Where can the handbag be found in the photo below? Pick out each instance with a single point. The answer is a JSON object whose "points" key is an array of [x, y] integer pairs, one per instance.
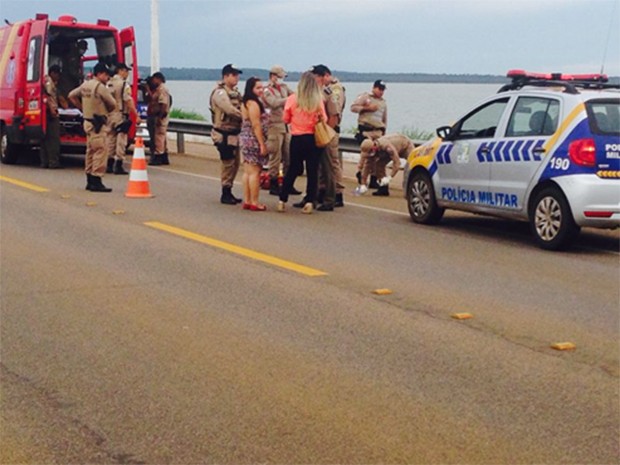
{"points": [[323, 134]]}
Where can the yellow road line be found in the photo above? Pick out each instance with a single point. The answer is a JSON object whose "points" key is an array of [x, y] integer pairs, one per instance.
{"points": [[236, 249], [27, 185]]}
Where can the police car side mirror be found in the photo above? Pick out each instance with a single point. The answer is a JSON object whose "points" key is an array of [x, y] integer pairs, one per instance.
{"points": [[444, 132]]}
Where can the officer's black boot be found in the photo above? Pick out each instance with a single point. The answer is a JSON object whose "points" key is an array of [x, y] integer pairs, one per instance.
{"points": [[156, 160], [373, 183], [164, 159], [339, 201], [110, 167], [383, 191], [98, 185], [320, 198], [274, 189], [118, 167], [227, 197], [89, 182]]}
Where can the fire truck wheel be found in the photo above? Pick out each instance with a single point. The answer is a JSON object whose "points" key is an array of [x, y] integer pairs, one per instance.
{"points": [[10, 152]]}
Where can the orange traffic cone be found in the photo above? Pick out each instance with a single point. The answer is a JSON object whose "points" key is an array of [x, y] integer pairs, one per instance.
{"points": [[138, 185]]}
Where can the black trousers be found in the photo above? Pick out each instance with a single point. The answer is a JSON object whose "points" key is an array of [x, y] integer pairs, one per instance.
{"points": [[302, 150]]}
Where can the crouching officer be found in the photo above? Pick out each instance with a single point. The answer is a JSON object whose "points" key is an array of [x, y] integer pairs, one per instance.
{"points": [[95, 101], [225, 106], [391, 147], [119, 120]]}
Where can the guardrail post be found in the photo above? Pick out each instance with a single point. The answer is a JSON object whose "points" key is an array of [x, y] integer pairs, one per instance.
{"points": [[180, 142]]}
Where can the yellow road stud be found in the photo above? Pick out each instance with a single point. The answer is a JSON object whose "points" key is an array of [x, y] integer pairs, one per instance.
{"points": [[382, 291], [118, 212], [65, 196], [462, 316], [563, 346], [91, 204]]}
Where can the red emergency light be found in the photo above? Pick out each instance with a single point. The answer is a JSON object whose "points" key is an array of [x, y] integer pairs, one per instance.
{"points": [[522, 74], [103, 22]]}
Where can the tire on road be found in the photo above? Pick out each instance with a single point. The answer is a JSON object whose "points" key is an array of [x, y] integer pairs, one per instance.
{"points": [[551, 220], [9, 152], [421, 199]]}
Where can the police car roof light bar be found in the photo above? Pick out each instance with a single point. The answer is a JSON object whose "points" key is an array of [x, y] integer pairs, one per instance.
{"points": [[569, 82]]}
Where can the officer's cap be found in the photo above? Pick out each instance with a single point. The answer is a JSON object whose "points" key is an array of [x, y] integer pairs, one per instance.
{"points": [[123, 66], [159, 75], [101, 68], [320, 70], [54, 69], [230, 69], [379, 84], [278, 71]]}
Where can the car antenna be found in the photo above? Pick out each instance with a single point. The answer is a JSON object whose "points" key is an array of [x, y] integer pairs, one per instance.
{"points": [[611, 20]]}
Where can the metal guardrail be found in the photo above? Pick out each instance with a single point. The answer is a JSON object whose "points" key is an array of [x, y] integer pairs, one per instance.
{"points": [[202, 128]]}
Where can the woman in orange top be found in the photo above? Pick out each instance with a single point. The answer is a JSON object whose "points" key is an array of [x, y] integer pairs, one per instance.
{"points": [[302, 111]]}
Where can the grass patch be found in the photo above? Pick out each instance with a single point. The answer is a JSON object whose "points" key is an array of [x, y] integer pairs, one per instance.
{"points": [[178, 113]]}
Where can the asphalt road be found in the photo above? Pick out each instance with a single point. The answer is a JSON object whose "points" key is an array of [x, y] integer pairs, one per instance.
{"points": [[179, 330]]}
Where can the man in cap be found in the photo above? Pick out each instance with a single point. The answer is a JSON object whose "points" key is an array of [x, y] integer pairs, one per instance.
{"points": [[119, 120], [159, 107], [50, 145], [225, 106], [278, 139], [95, 101], [391, 147], [372, 119], [372, 110], [331, 161]]}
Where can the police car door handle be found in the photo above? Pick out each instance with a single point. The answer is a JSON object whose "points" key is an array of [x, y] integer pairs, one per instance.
{"points": [[539, 150], [484, 150]]}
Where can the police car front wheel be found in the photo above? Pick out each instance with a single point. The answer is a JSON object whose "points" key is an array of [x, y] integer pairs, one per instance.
{"points": [[421, 199], [551, 220]]}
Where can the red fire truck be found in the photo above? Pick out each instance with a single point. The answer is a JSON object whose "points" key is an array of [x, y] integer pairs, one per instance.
{"points": [[27, 49]]}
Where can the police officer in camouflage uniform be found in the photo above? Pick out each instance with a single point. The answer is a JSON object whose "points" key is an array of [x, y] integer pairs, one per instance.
{"points": [[331, 159], [95, 101], [50, 145], [225, 105], [119, 120]]}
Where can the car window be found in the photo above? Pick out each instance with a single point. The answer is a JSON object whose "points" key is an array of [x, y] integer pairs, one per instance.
{"points": [[604, 116], [482, 122], [533, 116], [33, 71]]}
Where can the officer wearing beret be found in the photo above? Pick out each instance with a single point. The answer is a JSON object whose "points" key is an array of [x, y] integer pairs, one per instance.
{"points": [[225, 106], [95, 101]]}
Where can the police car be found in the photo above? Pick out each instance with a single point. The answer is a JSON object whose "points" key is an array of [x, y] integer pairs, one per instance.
{"points": [[545, 148]]}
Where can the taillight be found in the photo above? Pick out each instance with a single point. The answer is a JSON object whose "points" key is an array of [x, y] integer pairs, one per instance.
{"points": [[583, 152]]}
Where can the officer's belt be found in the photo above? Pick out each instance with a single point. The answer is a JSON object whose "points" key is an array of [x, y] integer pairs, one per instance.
{"points": [[234, 132]]}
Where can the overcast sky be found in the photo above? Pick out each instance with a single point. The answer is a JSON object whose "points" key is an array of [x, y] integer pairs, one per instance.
{"points": [[429, 36]]}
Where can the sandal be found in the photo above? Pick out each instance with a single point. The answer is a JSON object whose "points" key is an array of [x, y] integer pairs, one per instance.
{"points": [[258, 208]]}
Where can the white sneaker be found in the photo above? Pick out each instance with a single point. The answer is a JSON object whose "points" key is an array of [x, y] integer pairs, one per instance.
{"points": [[308, 208], [281, 207]]}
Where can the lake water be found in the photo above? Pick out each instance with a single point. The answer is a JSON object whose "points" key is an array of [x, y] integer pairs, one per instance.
{"points": [[423, 107]]}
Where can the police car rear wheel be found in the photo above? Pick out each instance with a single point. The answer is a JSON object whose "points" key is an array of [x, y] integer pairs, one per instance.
{"points": [[421, 200], [551, 220]]}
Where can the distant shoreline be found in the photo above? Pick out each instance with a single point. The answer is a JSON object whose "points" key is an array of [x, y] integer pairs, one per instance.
{"points": [[210, 74]]}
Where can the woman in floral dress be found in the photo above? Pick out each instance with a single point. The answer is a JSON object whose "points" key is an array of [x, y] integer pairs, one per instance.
{"points": [[252, 142]]}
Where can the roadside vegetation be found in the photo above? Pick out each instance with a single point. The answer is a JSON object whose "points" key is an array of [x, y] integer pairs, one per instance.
{"points": [[178, 113]]}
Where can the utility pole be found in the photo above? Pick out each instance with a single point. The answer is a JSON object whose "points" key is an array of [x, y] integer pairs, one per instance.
{"points": [[154, 36]]}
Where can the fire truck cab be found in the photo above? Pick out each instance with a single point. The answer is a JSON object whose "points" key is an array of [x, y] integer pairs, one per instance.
{"points": [[27, 49]]}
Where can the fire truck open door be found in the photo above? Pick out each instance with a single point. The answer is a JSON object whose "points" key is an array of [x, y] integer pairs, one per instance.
{"points": [[34, 107], [128, 44]]}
